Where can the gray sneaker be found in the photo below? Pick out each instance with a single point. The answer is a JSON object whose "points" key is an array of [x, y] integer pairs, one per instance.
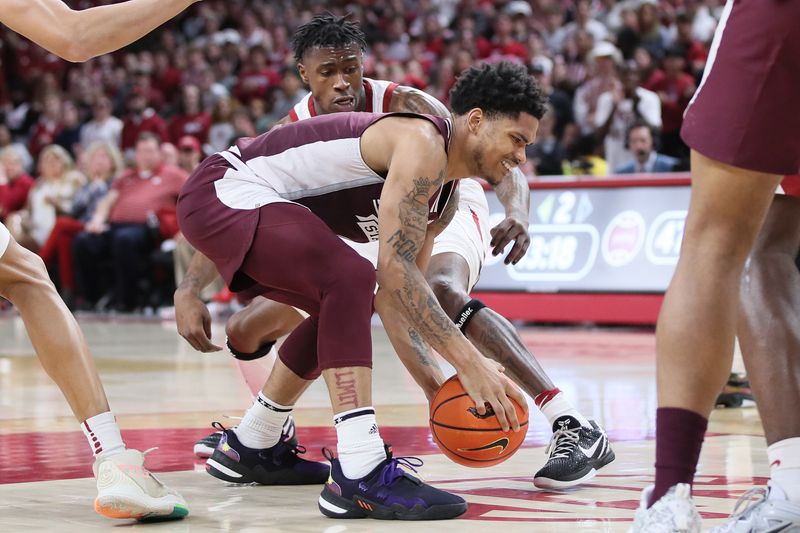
{"points": [[673, 513], [763, 510]]}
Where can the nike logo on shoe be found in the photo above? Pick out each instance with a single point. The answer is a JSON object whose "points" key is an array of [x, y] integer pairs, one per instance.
{"points": [[499, 443], [589, 452]]}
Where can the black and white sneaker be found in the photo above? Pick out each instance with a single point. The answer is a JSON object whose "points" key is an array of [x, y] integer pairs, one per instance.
{"points": [[205, 447], [576, 454]]}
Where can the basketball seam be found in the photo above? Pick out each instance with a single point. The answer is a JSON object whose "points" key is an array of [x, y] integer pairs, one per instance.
{"points": [[500, 459], [435, 423]]}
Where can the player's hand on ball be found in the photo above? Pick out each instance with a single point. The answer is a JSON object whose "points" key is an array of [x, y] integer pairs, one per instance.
{"points": [[511, 229], [194, 321], [485, 382]]}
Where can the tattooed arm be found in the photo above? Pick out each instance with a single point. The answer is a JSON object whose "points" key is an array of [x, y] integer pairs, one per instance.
{"points": [[410, 100], [416, 169], [515, 195], [413, 351]]}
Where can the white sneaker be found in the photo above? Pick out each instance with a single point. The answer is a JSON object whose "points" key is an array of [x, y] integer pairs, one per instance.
{"points": [[126, 489], [764, 510], [673, 513]]}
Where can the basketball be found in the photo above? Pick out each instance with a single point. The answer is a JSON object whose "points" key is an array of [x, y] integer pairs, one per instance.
{"points": [[470, 439]]}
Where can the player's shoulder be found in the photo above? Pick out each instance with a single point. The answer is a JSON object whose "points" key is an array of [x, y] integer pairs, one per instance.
{"points": [[411, 100]]}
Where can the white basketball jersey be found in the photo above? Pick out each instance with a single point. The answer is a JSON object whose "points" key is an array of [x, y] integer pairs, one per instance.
{"points": [[378, 95]]}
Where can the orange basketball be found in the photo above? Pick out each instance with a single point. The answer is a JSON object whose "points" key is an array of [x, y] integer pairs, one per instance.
{"points": [[468, 438]]}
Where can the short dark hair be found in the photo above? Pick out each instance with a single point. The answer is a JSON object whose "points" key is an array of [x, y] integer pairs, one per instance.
{"points": [[501, 88], [639, 123], [327, 31], [149, 136]]}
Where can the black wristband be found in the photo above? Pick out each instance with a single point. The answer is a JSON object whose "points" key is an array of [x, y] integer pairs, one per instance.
{"points": [[467, 312]]}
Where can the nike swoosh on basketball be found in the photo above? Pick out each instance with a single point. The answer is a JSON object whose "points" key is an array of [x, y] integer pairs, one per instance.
{"points": [[499, 443], [590, 452]]}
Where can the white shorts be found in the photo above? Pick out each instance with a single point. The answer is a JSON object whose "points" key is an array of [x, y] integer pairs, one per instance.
{"points": [[5, 238], [468, 234]]}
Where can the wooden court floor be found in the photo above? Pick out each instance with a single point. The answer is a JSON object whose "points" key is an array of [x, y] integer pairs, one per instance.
{"points": [[166, 395]]}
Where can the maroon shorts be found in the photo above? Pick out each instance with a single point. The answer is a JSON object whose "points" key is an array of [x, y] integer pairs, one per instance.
{"points": [[745, 111]]}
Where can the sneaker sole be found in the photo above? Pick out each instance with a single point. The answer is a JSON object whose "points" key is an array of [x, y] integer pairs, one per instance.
{"points": [[223, 467], [203, 451], [557, 484], [334, 506], [121, 507]]}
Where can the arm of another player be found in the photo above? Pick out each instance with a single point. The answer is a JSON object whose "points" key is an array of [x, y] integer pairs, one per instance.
{"points": [[413, 351], [403, 223], [191, 314], [80, 35], [514, 194]]}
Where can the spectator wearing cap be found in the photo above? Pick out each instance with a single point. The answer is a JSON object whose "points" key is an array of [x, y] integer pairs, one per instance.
{"points": [[675, 88], [189, 153], [605, 57], [103, 126], [646, 159], [119, 232], [618, 110], [140, 119], [190, 119]]}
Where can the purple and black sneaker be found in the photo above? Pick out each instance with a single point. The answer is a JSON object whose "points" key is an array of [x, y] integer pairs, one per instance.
{"points": [[386, 493], [280, 465]]}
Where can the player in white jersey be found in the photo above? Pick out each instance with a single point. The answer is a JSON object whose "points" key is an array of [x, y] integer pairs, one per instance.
{"points": [[125, 488], [329, 54]]}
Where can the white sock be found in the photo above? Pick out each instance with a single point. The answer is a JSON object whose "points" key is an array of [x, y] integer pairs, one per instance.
{"points": [[784, 467], [360, 445], [262, 424], [559, 406], [103, 435]]}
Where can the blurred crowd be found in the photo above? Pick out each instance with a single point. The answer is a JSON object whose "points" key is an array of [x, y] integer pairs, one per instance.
{"points": [[92, 155]]}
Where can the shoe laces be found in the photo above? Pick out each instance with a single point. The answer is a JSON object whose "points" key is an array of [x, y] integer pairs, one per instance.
{"points": [[282, 448], [749, 502], [395, 469], [563, 442]]}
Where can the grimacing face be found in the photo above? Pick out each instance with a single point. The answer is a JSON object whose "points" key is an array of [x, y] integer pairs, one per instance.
{"points": [[499, 143], [334, 76]]}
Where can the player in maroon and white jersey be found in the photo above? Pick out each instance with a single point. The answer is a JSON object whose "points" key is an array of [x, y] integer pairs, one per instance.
{"points": [[270, 211], [741, 125], [329, 52]]}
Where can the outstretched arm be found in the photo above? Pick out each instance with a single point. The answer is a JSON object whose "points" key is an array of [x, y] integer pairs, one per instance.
{"points": [[81, 35]]}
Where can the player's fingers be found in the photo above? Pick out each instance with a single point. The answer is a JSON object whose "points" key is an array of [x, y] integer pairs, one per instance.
{"points": [[518, 251], [511, 413], [480, 404], [500, 413], [514, 392]]}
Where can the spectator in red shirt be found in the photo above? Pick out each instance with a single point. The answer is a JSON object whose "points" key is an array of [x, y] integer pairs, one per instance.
{"points": [[503, 42], [191, 119], [119, 230], [15, 183], [675, 88], [140, 119], [257, 78], [48, 126]]}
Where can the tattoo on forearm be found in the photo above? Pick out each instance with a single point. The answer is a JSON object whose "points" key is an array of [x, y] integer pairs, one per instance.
{"points": [[419, 347], [405, 247], [346, 392]]}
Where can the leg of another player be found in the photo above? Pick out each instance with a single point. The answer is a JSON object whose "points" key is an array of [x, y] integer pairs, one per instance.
{"points": [[261, 323], [53, 331], [65, 356], [769, 332], [697, 324]]}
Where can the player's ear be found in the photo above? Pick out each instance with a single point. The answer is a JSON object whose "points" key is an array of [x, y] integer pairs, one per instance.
{"points": [[475, 119], [303, 74]]}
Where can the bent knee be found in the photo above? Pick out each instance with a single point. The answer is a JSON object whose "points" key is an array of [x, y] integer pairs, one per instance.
{"points": [[23, 270], [354, 273], [449, 292]]}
